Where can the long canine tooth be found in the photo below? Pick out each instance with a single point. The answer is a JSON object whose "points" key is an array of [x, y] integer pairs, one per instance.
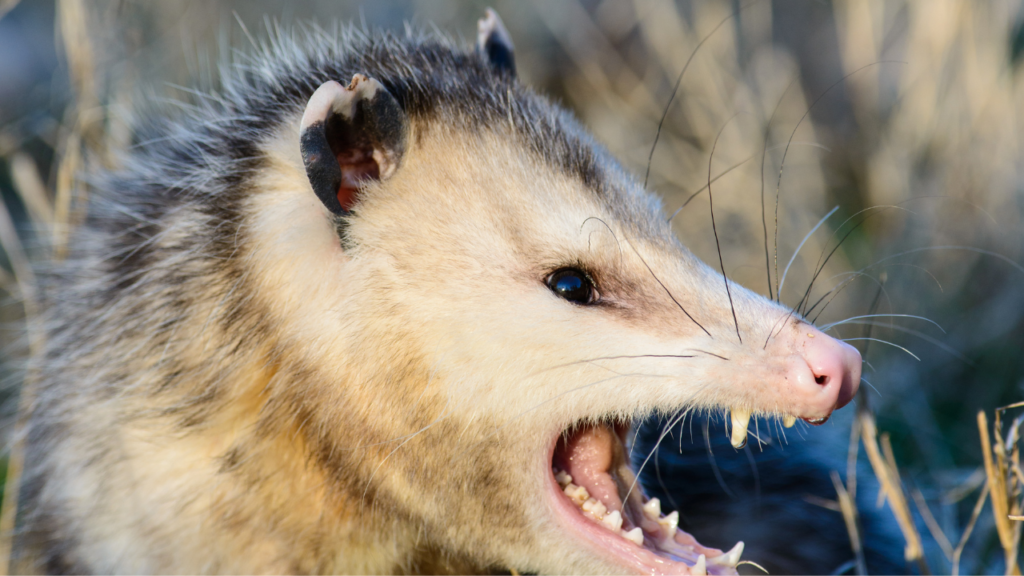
{"points": [[613, 521], [730, 558], [700, 568], [788, 421], [669, 524], [740, 419], [636, 536], [652, 509]]}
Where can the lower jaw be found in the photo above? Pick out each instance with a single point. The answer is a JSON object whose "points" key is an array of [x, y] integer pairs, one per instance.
{"points": [[646, 541]]}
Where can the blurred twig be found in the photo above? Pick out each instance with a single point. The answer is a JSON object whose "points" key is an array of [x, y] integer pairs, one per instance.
{"points": [[932, 524], [84, 128], [888, 476], [848, 507], [978, 506], [1002, 464]]}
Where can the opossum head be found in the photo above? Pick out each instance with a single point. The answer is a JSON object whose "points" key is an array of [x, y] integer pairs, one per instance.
{"points": [[480, 302]]}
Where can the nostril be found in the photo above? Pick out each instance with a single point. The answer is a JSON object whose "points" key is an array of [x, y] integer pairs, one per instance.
{"points": [[823, 380]]}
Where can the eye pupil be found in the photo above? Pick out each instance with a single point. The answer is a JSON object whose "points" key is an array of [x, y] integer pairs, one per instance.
{"points": [[573, 285]]}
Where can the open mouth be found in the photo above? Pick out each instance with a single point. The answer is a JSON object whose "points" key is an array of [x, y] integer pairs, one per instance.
{"points": [[597, 495]]}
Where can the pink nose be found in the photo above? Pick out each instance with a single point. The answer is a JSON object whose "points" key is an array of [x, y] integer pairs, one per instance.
{"points": [[823, 375]]}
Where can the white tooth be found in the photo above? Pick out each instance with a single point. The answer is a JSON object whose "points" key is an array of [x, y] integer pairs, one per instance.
{"points": [[636, 536], [700, 568], [740, 419], [563, 479], [669, 524], [613, 521], [577, 494], [730, 558], [788, 421], [595, 507], [652, 509]]}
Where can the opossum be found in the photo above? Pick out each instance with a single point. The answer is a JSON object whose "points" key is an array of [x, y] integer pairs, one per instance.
{"points": [[379, 307]]}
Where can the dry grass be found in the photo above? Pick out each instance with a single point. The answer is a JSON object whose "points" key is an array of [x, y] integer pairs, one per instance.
{"points": [[1004, 480], [33, 192]]}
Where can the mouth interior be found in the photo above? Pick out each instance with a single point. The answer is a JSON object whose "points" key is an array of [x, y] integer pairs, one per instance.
{"points": [[592, 468]]}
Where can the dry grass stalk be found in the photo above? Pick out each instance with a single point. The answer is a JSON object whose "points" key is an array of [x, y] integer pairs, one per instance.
{"points": [[888, 476], [83, 127], [70, 164], [975, 514], [25, 280], [1002, 468], [848, 507], [32, 191], [932, 524], [31, 188], [965, 488]]}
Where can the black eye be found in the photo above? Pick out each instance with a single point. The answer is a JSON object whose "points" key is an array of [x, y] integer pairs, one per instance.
{"points": [[573, 285]]}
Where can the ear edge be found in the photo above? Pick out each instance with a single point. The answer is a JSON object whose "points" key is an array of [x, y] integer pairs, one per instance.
{"points": [[494, 43]]}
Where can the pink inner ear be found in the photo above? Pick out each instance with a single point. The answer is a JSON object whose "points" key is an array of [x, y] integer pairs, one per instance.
{"points": [[357, 166]]}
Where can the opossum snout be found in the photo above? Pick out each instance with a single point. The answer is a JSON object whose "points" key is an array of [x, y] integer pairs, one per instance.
{"points": [[822, 375]]}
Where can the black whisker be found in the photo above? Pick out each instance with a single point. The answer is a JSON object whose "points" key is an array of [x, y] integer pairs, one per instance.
{"points": [[705, 187], [679, 81], [865, 380], [842, 285], [831, 294], [781, 325], [714, 229], [820, 266], [714, 463], [757, 475], [661, 482], [653, 451], [661, 437], [934, 341], [996, 255], [1005, 259], [621, 357], [782, 165], [709, 353], [914, 356], [665, 288], [764, 156], [911, 316], [785, 272], [617, 243]]}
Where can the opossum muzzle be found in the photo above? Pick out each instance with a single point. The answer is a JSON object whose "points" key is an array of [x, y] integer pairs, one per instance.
{"points": [[599, 496], [350, 136]]}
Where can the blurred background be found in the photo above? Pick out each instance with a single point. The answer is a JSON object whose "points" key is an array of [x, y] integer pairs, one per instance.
{"points": [[889, 131]]}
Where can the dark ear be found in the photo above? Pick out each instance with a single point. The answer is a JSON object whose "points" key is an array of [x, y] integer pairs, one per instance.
{"points": [[495, 44], [349, 136]]}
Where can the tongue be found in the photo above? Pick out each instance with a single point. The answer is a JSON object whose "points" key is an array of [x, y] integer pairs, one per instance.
{"points": [[587, 456]]}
